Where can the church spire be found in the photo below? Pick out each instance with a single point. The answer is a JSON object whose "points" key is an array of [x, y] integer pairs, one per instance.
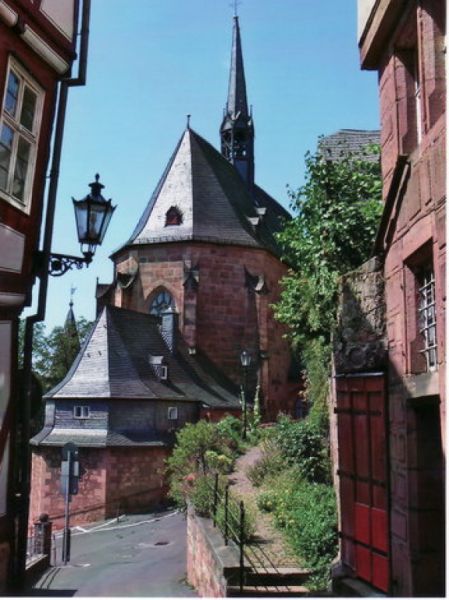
{"points": [[237, 129]]}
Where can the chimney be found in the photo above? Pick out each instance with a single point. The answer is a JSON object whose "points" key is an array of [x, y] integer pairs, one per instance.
{"points": [[169, 327]]}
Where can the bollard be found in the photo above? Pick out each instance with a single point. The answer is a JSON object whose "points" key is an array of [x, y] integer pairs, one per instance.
{"points": [[42, 535]]}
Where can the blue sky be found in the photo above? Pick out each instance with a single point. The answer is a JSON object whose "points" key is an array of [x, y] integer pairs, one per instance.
{"points": [[151, 62]]}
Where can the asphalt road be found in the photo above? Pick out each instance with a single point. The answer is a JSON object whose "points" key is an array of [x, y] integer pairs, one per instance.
{"points": [[141, 555]]}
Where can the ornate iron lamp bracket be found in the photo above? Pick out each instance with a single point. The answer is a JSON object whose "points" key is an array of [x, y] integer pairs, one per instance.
{"points": [[61, 263]]}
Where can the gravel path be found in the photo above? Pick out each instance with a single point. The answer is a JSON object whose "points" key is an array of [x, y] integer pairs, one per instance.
{"points": [[269, 543]]}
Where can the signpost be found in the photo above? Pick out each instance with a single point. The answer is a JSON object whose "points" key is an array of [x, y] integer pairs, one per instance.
{"points": [[69, 487]]}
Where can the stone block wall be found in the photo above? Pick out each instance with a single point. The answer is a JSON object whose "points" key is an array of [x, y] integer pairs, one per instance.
{"points": [[360, 337], [409, 54], [112, 480], [210, 564], [223, 295]]}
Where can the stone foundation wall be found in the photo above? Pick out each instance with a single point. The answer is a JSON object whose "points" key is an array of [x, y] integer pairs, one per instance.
{"points": [[112, 480], [210, 564]]}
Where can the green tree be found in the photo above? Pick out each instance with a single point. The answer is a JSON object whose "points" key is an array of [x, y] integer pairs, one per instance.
{"points": [[53, 354], [336, 217]]}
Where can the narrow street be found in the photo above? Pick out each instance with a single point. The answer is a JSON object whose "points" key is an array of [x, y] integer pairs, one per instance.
{"points": [[141, 555]]}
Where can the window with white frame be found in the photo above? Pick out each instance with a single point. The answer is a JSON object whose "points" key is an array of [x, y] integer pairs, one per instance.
{"points": [[19, 131], [81, 412], [427, 317], [173, 413]]}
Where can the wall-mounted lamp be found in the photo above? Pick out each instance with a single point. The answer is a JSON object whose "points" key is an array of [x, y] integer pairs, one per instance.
{"points": [[92, 215]]}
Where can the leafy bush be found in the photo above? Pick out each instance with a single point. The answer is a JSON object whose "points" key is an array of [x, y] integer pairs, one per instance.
{"points": [[302, 444], [200, 449], [230, 428], [306, 513], [202, 495]]}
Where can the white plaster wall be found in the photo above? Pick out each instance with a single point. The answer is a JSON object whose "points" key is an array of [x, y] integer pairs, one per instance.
{"points": [[61, 13], [364, 10]]}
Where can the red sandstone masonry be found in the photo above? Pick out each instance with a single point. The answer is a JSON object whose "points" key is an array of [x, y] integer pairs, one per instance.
{"points": [[225, 317], [113, 479]]}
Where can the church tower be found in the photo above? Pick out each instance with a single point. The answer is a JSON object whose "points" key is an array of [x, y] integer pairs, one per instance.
{"points": [[237, 128]]}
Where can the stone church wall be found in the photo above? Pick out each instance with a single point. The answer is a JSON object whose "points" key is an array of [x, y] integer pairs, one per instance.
{"points": [[223, 295]]}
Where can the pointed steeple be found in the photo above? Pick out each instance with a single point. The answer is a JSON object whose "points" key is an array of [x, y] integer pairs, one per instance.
{"points": [[71, 331], [237, 129]]}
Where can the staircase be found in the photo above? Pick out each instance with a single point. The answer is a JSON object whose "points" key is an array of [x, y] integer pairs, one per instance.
{"points": [[270, 582]]}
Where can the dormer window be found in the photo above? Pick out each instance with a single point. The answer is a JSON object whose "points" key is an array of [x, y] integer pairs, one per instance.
{"points": [[159, 369], [173, 216]]}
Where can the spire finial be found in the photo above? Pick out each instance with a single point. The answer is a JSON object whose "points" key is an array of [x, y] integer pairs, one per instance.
{"points": [[72, 292], [235, 5], [188, 121]]}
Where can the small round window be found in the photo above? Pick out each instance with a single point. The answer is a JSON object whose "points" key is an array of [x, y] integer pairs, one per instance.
{"points": [[160, 302]]}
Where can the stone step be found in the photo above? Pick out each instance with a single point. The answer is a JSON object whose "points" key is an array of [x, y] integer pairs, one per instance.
{"points": [[277, 576], [268, 591]]}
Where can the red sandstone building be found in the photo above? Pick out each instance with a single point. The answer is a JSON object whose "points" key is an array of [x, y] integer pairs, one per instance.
{"points": [[390, 348], [37, 48], [193, 288]]}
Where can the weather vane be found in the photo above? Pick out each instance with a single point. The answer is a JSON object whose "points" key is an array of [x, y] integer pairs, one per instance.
{"points": [[72, 291], [235, 5]]}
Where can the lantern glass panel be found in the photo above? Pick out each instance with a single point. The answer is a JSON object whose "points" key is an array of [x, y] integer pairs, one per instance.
{"points": [[107, 217], [81, 212], [96, 219]]}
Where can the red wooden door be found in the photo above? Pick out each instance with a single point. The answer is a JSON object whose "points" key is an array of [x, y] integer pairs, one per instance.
{"points": [[362, 445]]}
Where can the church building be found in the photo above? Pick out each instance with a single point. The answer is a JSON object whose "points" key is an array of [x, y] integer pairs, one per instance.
{"points": [[193, 288]]}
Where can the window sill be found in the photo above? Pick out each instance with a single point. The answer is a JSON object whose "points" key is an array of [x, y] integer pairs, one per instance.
{"points": [[425, 384]]}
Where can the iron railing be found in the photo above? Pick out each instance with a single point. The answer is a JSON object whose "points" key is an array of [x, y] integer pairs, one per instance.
{"points": [[230, 516]]}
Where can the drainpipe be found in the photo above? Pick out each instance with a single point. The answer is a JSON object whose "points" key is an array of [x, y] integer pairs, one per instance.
{"points": [[23, 414]]}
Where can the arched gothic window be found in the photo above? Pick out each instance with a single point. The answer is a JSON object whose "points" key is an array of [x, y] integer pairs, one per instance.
{"points": [[173, 216], [160, 302]]}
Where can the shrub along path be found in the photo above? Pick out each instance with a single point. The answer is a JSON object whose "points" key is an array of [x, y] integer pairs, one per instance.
{"points": [[267, 539]]}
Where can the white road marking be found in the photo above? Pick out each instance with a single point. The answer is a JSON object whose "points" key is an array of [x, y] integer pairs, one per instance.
{"points": [[104, 526]]}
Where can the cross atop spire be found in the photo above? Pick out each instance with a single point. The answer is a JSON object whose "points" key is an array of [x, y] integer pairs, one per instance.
{"points": [[235, 5]]}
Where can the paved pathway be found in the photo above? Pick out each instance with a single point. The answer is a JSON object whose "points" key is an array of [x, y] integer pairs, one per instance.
{"points": [[273, 550], [142, 555]]}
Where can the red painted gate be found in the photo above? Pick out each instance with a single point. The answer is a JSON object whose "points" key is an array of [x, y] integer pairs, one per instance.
{"points": [[362, 445]]}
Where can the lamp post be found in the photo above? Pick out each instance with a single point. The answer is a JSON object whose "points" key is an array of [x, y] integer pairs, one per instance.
{"points": [[92, 215], [245, 360]]}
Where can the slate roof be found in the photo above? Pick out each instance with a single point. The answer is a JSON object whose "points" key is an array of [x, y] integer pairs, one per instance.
{"points": [[237, 102], [353, 141], [114, 363], [57, 436], [215, 203]]}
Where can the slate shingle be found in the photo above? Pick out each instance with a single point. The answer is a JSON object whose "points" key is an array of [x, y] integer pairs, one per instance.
{"points": [[215, 203], [114, 363]]}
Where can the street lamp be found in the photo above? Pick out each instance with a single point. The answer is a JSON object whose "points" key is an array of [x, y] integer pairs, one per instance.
{"points": [[92, 215], [245, 360]]}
